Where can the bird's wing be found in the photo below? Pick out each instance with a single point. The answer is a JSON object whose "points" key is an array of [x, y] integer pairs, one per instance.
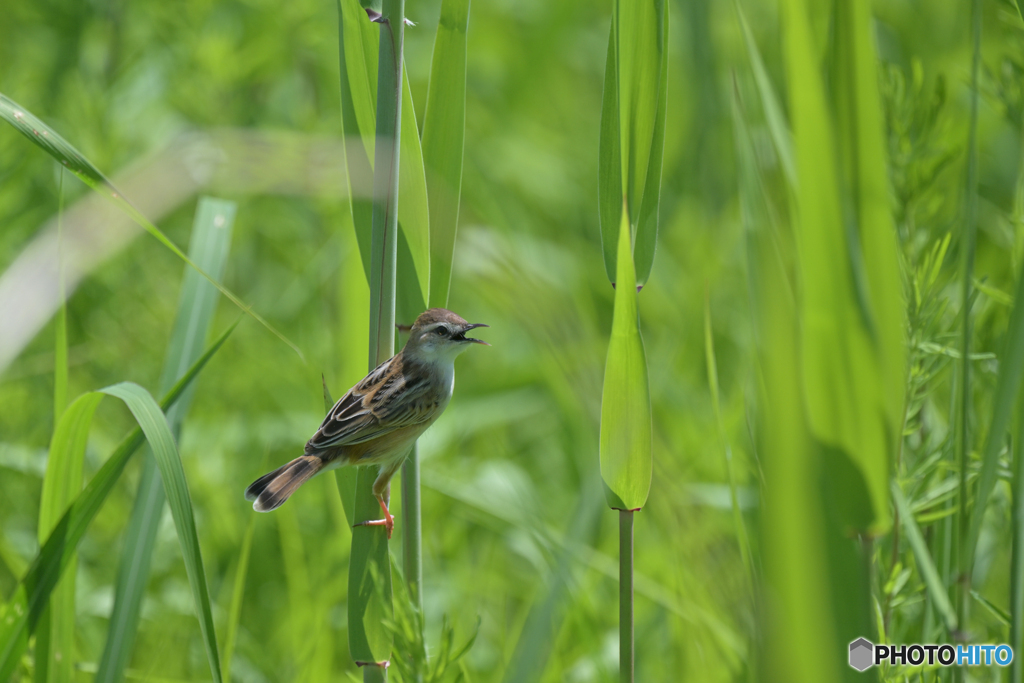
{"points": [[384, 401]]}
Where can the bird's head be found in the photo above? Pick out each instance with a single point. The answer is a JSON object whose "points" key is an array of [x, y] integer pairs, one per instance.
{"points": [[440, 335]]}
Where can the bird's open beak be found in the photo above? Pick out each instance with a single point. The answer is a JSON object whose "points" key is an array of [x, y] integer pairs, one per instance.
{"points": [[462, 335]]}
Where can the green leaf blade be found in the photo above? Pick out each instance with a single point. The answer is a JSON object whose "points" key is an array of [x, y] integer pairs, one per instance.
{"points": [[444, 130], [413, 209], [633, 117], [60, 149], [158, 433], [626, 422]]}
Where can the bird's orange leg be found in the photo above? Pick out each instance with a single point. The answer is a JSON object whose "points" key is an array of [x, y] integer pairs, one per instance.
{"points": [[388, 522]]}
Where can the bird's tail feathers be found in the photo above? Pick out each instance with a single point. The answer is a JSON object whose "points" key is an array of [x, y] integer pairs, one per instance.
{"points": [[270, 491]]}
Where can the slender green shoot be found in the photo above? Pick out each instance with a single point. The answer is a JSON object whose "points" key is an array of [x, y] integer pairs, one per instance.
{"points": [[968, 245], [626, 654]]}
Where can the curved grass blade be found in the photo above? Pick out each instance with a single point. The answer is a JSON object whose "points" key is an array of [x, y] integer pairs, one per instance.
{"points": [[773, 114], [626, 424], [61, 150], [925, 564], [444, 132], [1011, 377], [21, 613], [154, 424], [211, 237]]}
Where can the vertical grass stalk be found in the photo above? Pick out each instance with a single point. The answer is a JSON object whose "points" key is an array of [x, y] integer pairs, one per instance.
{"points": [[369, 578], [1017, 557], [626, 655], [965, 551]]}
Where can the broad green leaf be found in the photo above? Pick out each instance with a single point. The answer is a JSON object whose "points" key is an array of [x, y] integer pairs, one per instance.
{"points": [[925, 565], [21, 614], [61, 150], [444, 128], [211, 237], [851, 368], [632, 129], [626, 426], [862, 151]]}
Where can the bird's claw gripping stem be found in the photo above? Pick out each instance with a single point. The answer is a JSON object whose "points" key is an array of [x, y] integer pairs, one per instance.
{"points": [[388, 522]]}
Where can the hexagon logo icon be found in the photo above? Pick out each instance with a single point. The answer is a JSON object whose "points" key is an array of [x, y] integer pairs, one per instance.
{"points": [[861, 654]]}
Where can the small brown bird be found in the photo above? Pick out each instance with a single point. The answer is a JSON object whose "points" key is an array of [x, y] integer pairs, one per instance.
{"points": [[379, 419]]}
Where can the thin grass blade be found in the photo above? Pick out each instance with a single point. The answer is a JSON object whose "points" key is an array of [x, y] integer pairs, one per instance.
{"points": [[773, 114], [1011, 377], [237, 595], [54, 650], [1017, 552], [60, 149], [925, 563], [739, 527]]}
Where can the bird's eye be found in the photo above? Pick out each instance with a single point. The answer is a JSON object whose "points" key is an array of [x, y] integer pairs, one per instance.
{"points": [[441, 331]]}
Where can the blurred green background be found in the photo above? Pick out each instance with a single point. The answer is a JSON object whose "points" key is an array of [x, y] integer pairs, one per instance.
{"points": [[515, 530]]}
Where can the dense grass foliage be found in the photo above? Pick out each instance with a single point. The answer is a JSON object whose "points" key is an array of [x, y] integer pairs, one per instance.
{"points": [[519, 548]]}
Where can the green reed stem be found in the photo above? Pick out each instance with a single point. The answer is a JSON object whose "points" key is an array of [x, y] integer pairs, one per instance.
{"points": [[412, 528], [1017, 556], [369, 563], [970, 229], [626, 596]]}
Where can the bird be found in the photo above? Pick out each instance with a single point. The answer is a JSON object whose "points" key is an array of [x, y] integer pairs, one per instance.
{"points": [[379, 419]]}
